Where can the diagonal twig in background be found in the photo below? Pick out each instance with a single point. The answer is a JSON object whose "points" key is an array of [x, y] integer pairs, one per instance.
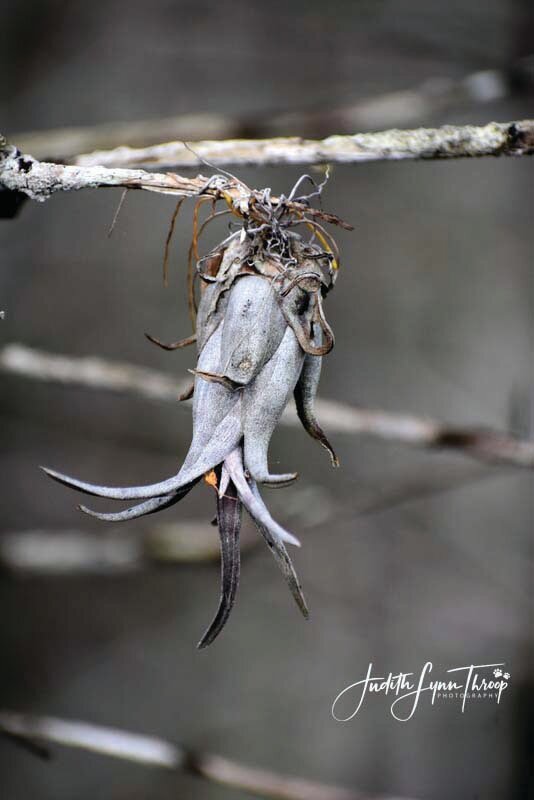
{"points": [[152, 751], [486, 445]]}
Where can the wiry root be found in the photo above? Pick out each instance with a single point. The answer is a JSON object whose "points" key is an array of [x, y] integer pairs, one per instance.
{"points": [[169, 239], [193, 253]]}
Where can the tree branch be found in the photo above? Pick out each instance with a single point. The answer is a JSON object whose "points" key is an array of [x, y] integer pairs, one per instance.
{"points": [[449, 141], [38, 180], [160, 753], [403, 107], [92, 372], [483, 444]]}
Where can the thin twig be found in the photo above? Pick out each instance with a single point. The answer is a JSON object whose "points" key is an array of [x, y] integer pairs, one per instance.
{"points": [[157, 752], [117, 212], [481, 443]]}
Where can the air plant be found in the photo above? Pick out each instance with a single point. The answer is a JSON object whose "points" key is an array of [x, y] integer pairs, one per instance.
{"points": [[261, 333]]}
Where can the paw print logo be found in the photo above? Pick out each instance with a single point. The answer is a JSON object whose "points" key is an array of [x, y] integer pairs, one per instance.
{"points": [[498, 672], [506, 676]]}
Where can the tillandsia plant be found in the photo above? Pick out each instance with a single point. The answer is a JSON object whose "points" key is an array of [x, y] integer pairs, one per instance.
{"points": [[261, 333]]}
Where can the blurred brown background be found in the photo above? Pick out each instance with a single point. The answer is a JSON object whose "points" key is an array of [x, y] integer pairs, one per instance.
{"points": [[407, 556]]}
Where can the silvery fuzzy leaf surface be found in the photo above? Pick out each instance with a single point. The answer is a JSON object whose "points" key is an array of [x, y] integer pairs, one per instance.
{"points": [[253, 328], [264, 400]]}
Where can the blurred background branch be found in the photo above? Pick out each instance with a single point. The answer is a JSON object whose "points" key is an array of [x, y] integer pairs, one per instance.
{"points": [[157, 752], [404, 107], [478, 442], [76, 552]]}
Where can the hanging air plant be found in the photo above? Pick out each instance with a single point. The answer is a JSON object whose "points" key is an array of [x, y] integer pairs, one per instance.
{"points": [[261, 333]]}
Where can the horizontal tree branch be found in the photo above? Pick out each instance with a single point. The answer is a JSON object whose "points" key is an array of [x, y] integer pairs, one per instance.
{"points": [[448, 141], [92, 372], [402, 107], [39, 180], [480, 443], [22, 174], [30, 730]]}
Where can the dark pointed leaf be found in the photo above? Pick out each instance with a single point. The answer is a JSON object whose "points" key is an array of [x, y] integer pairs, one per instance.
{"points": [[229, 512]]}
